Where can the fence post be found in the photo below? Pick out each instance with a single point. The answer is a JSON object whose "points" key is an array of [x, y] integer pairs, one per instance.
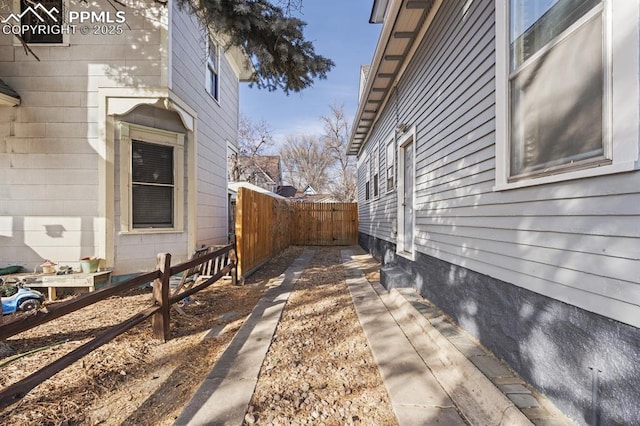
{"points": [[234, 271], [160, 320], [233, 258]]}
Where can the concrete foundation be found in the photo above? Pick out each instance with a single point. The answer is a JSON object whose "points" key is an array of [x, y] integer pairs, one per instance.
{"points": [[585, 363]]}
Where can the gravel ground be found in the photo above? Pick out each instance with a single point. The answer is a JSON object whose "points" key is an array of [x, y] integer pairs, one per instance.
{"points": [[319, 369]]}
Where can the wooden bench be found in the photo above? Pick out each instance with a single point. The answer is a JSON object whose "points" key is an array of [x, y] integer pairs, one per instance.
{"points": [[79, 280]]}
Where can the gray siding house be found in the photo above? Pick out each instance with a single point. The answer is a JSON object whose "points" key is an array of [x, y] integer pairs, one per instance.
{"points": [[117, 145], [499, 175]]}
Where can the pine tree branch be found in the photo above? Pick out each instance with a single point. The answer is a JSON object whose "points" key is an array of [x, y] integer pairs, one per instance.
{"points": [[281, 56]]}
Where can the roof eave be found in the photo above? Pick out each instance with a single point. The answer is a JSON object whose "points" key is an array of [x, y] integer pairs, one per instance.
{"points": [[405, 22], [378, 11], [6, 100]]}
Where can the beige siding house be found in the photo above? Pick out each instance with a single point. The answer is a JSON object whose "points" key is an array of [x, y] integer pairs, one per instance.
{"points": [[116, 146]]}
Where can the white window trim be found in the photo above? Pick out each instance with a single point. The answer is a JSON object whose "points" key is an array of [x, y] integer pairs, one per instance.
{"points": [[129, 132], [376, 173], [394, 153], [622, 108], [208, 66], [403, 141], [65, 36], [367, 181]]}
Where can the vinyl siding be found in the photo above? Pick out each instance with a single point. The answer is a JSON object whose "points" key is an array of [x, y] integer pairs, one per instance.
{"points": [[137, 252], [48, 161], [377, 215], [576, 241], [217, 124]]}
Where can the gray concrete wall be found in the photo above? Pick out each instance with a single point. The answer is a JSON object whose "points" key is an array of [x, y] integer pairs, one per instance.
{"points": [[552, 345]]}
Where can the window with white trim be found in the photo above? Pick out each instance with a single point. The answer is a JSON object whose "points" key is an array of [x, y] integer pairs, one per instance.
{"points": [[376, 173], [556, 86], [390, 165], [151, 179], [557, 94], [367, 185], [213, 70]]}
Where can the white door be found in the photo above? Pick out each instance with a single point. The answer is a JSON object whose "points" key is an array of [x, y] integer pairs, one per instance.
{"points": [[406, 198]]}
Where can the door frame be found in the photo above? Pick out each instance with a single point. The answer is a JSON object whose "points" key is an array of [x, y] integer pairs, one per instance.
{"points": [[406, 140]]}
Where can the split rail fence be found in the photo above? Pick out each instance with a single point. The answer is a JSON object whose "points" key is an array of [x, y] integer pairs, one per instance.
{"points": [[266, 225], [210, 267]]}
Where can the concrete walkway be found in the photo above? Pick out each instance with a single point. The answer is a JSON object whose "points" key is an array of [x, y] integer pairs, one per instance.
{"points": [[224, 396], [434, 372]]}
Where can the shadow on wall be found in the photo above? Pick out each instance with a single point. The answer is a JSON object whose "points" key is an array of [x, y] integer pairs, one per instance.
{"points": [[585, 363], [27, 241]]}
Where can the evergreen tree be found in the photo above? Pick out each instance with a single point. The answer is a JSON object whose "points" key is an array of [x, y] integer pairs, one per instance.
{"points": [[273, 39]]}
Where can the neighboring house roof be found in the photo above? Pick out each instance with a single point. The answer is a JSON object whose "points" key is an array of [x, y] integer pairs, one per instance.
{"points": [[287, 191], [234, 186], [313, 198], [298, 196], [259, 169], [270, 164], [308, 195], [8, 96], [404, 22]]}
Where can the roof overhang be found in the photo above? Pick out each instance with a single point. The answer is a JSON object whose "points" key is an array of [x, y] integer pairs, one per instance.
{"points": [[242, 64], [378, 11], [405, 23], [8, 96], [238, 57]]}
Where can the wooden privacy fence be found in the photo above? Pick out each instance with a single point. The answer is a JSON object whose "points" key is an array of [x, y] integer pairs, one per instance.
{"points": [[211, 266], [325, 224], [263, 225], [266, 225]]}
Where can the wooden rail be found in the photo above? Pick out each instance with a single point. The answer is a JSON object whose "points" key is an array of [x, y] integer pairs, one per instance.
{"points": [[217, 264]]}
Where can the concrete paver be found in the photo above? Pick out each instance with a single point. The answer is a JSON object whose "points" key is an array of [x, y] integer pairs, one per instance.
{"points": [[223, 397], [416, 395], [433, 371], [490, 366]]}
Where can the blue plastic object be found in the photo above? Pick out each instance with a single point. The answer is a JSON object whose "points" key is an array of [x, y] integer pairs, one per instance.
{"points": [[24, 299]]}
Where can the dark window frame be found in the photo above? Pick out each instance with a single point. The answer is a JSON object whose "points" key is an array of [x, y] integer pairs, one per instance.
{"points": [[29, 19]]}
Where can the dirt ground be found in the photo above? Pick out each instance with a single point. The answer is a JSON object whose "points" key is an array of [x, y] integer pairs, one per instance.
{"points": [[319, 369]]}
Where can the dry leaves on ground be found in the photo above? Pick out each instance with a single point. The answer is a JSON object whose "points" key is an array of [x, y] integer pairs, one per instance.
{"points": [[319, 369], [133, 379]]}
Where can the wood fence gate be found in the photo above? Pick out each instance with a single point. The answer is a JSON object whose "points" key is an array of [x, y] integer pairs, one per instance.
{"points": [[325, 224], [266, 225]]}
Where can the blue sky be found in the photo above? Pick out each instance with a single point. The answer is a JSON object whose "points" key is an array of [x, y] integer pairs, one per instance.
{"points": [[339, 30]]}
